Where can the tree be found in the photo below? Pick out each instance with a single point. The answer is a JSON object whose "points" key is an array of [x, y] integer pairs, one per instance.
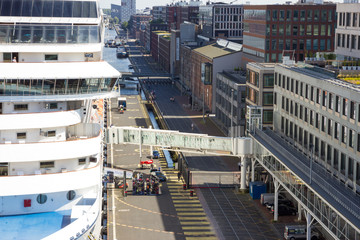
{"points": [[125, 25], [116, 19]]}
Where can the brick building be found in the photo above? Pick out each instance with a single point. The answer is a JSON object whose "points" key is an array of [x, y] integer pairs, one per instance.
{"points": [[300, 29]]}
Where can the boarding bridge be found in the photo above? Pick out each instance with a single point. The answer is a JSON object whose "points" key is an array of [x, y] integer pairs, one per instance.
{"points": [[179, 141], [334, 207]]}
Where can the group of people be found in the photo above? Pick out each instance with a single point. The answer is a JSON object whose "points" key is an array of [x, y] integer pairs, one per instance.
{"points": [[148, 186]]}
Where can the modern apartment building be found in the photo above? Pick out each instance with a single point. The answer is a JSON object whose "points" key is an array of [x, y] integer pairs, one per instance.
{"points": [[316, 110], [297, 30], [230, 106], [260, 89], [159, 13], [128, 8], [222, 21], [347, 41]]}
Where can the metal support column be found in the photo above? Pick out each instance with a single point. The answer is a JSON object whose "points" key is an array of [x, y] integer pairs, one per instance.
{"points": [[140, 142], [243, 173], [276, 197], [299, 211], [308, 225], [151, 146], [253, 162]]}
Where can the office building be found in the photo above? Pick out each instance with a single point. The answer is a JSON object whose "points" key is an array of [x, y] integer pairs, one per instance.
{"points": [[296, 30]]}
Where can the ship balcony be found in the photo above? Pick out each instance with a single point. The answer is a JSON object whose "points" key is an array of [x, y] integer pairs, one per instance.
{"points": [[41, 119], [81, 140], [50, 182]]}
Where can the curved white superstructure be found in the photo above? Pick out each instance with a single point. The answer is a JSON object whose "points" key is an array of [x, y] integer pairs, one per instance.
{"points": [[53, 90]]}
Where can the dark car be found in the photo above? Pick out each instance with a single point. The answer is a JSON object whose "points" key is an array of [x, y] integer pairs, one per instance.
{"points": [[160, 175], [156, 154], [284, 210], [286, 202]]}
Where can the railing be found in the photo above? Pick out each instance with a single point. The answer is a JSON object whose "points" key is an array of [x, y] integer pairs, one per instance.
{"points": [[324, 185]]}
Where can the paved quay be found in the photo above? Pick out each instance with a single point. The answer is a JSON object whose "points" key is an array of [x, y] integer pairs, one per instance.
{"points": [[171, 215]]}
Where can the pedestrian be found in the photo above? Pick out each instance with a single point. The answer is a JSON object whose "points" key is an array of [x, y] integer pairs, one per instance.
{"points": [[14, 60], [239, 165], [192, 126], [179, 175]]}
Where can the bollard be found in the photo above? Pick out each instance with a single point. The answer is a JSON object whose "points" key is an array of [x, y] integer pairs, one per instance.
{"points": [[125, 194], [184, 186], [191, 193]]}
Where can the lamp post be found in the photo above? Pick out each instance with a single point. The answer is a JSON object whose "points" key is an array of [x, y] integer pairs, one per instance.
{"points": [[231, 114], [311, 160]]}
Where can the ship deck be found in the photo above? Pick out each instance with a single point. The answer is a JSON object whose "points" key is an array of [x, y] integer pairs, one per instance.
{"points": [[33, 226]]}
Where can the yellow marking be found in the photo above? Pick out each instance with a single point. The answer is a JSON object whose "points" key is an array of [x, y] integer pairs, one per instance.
{"points": [[148, 229], [186, 201], [191, 214], [192, 218], [201, 238], [195, 223], [187, 205], [189, 209], [197, 228], [199, 233]]}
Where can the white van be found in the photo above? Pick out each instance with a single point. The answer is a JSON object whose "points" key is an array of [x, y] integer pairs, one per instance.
{"points": [[267, 198], [295, 232]]}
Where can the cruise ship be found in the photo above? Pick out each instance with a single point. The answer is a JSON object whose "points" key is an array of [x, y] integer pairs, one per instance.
{"points": [[54, 86]]}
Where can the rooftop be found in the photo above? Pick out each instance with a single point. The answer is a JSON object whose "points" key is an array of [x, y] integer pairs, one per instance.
{"points": [[218, 49], [262, 65], [324, 74], [238, 77]]}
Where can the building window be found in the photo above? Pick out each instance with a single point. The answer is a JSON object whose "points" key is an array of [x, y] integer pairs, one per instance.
{"points": [[345, 106], [288, 15], [330, 127], [20, 107], [358, 142], [41, 198], [70, 195], [51, 57], [296, 110], [331, 103], [268, 116], [21, 135], [268, 80], [82, 161], [343, 134], [338, 103], [301, 112], [311, 121], [309, 15], [337, 130], [51, 133], [352, 110], [351, 138], [318, 95], [49, 164], [312, 93], [268, 98], [323, 123]]}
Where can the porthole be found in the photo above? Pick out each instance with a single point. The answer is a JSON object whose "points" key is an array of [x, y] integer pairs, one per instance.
{"points": [[70, 195], [41, 198]]}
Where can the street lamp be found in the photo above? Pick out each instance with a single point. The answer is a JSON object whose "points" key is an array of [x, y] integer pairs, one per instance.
{"points": [[311, 160], [231, 114]]}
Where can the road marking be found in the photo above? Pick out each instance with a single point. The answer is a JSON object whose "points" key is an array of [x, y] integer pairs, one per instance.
{"points": [[119, 150], [195, 223], [201, 238], [149, 229], [197, 228], [199, 233], [192, 218], [124, 210], [191, 214]]}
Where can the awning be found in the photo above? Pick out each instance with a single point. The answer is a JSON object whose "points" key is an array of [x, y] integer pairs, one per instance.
{"points": [[58, 70]]}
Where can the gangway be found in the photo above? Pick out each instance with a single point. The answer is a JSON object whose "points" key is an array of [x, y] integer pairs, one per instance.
{"points": [[180, 141]]}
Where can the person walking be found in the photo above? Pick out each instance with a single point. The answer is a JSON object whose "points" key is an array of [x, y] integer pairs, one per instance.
{"points": [[192, 127], [179, 176], [239, 165]]}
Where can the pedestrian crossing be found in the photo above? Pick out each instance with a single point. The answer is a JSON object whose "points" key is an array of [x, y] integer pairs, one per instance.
{"points": [[189, 210]]}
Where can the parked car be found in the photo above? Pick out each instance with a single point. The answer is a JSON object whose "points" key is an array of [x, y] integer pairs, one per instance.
{"points": [[269, 198], [284, 210], [280, 202], [160, 175], [295, 232], [156, 154]]}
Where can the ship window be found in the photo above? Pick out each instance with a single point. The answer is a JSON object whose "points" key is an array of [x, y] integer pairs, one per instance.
{"points": [[70, 195], [21, 135], [51, 133], [68, 7], [20, 107], [51, 57], [82, 161], [7, 57], [47, 9], [41, 198], [4, 168], [6, 8], [50, 164], [51, 105], [93, 159]]}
